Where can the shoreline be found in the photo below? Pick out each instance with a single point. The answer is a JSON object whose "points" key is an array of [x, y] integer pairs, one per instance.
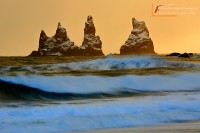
{"points": [[186, 127]]}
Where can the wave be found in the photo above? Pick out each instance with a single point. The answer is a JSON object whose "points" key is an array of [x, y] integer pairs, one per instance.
{"points": [[139, 62], [109, 63], [120, 113], [11, 91], [63, 87]]}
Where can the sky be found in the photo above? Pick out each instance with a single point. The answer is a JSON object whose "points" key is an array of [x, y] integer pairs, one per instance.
{"points": [[21, 22]]}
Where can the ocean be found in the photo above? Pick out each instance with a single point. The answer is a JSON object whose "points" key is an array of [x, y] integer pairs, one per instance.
{"points": [[70, 94]]}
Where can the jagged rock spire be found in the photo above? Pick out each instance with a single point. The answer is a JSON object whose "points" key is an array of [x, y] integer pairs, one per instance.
{"points": [[91, 44], [42, 40], [61, 34], [139, 26], [59, 25], [57, 45], [60, 44], [138, 41], [89, 26], [43, 36]]}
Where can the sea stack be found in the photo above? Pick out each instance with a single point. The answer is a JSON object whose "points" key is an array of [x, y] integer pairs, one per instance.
{"points": [[91, 45], [57, 45], [138, 41]]}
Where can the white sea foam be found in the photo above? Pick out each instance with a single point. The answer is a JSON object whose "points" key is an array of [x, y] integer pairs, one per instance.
{"points": [[111, 63], [103, 84], [99, 115]]}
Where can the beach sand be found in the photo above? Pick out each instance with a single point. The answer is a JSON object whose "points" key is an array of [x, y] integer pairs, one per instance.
{"points": [[190, 127]]}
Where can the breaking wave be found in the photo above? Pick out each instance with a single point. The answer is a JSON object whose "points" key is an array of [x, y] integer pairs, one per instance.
{"points": [[76, 87], [131, 112], [109, 63], [127, 63]]}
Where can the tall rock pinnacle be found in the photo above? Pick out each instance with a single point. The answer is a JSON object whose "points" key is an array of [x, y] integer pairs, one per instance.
{"points": [[91, 44], [57, 45], [42, 40], [89, 26], [60, 44], [139, 41], [61, 34]]}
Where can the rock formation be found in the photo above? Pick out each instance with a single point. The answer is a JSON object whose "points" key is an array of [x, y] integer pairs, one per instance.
{"points": [[91, 44], [57, 45], [60, 44], [174, 54], [184, 55], [139, 41]]}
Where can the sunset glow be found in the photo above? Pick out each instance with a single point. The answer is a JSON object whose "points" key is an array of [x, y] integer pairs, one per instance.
{"points": [[22, 21]]}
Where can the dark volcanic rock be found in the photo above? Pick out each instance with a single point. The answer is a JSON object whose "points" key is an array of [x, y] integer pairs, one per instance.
{"points": [[184, 55], [174, 54], [35, 53], [139, 41], [57, 45], [191, 54], [60, 44], [42, 40], [91, 44]]}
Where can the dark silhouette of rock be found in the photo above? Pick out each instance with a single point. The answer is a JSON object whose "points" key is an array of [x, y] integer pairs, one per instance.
{"points": [[191, 54], [91, 44], [35, 53], [139, 41], [42, 40], [184, 55], [174, 54], [60, 44], [57, 45]]}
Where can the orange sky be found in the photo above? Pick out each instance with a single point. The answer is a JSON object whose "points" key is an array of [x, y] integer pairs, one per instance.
{"points": [[22, 20]]}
